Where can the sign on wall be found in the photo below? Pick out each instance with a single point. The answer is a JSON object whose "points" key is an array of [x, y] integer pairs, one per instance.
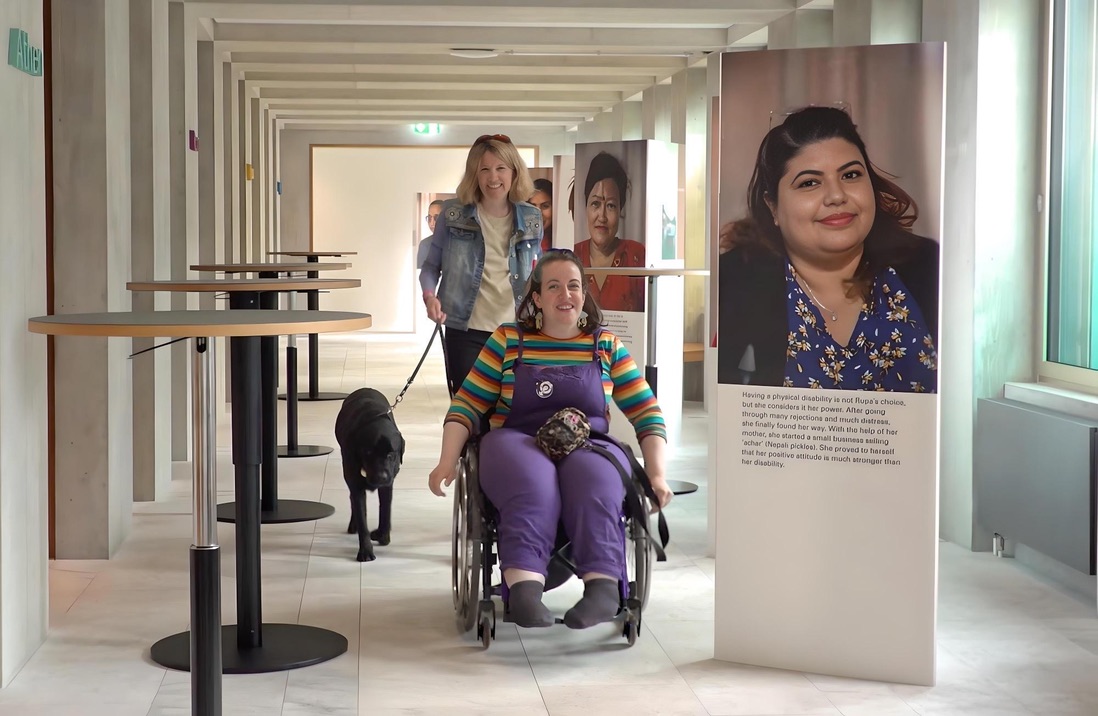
{"points": [[22, 55]]}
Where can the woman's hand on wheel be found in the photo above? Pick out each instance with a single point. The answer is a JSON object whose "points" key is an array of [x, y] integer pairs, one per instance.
{"points": [[440, 476], [663, 492], [434, 309]]}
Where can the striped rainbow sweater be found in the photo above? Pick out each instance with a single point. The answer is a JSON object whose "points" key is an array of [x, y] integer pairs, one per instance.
{"points": [[492, 379]]}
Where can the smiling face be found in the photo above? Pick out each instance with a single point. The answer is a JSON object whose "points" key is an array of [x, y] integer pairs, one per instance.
{"points": [[826, 204], [494, 178], [561, 298], [545, 203], [603, 212]]}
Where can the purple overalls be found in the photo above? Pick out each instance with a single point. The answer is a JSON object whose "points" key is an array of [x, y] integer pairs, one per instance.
{"points": [[532, 493]]}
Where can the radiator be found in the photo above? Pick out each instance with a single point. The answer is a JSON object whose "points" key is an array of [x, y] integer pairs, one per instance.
{"points": [[1034, 479]]}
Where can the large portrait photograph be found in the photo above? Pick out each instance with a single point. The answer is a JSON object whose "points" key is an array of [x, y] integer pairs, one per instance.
{"points": [[829, 217], [609, 213]]}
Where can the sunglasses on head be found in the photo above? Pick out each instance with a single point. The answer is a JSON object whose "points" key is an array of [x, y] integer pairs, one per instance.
{"points": [[488, 137]]}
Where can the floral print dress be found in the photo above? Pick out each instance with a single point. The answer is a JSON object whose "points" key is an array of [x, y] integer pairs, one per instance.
{"points": [[890, 347]]}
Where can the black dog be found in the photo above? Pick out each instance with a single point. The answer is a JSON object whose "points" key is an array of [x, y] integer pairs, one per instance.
{"points": [[373, 450]]}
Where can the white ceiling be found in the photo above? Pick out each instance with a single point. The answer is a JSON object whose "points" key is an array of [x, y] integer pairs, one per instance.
{"points": [[363, 62]]}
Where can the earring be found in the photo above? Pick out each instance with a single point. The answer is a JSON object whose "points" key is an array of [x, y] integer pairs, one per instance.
{"points": [[537, 320], [583, 319]]}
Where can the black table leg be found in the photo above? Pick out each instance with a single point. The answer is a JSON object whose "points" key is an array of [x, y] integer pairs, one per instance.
{"points": [[250, 646], [292, 448], [314, 348], [272, 509]]}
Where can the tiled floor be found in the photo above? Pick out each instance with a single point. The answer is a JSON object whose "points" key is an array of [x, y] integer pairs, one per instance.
{"points": [[1008, 642]]}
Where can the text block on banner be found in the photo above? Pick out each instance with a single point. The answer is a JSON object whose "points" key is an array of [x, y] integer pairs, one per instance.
{"points": [[827, 531]]}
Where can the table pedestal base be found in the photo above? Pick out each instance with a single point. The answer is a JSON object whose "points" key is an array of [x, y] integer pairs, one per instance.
{"points": [[285, 646], [321, 395], [284, 511], [303, 450], [682, 487]]}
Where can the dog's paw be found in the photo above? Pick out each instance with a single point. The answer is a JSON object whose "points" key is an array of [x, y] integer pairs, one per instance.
{"points": [[382, 538], [365, 556]]}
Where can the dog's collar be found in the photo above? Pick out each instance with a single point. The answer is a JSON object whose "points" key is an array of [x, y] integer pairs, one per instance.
{"points": [[388, 411]]}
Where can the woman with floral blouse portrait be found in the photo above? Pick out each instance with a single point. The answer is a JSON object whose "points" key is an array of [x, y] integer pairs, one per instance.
{"points": [[825, 285]]}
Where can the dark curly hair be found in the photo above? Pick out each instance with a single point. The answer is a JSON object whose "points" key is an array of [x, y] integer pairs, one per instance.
{"points": [[890, 239], [527, 309]]}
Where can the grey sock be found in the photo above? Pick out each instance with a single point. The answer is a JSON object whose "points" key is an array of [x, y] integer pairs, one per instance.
{"points": [[600, 603], [525, 607]]}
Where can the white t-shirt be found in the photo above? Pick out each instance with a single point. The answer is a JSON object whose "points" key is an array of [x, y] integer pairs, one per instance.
{"points": [[495, 302]]}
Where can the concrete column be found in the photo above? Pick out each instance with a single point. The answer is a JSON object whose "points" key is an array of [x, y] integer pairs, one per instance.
{"points": [[800, 28], [150, 242], [276, 169], [269, 186], [631, 120], [695, 153], [24, 468], [617, 122], [679, 89], [209, 236], [662, 109], [648, 113], [255, 209], [180, 254], [877, 22], [230, 194], [92, 376], [244, 158], [604, 126], [211, 189]]}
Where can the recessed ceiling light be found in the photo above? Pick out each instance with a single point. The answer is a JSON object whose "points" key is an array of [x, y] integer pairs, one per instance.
{"points": [[473, 53]]}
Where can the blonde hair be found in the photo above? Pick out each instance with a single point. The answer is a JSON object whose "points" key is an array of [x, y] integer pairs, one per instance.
{"points": [[522, 188]]}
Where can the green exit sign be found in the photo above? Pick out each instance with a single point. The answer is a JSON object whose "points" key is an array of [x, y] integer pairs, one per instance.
{"points": [[22, 55], [426, 128]]}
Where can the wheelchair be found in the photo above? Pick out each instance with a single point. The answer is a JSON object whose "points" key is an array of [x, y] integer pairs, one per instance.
{"points": [[475, 534]]}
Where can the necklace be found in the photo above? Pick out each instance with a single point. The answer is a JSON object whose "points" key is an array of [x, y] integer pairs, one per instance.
{"points": [[815, 300]]}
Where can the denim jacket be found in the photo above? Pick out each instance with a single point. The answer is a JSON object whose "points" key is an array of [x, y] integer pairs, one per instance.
{"points": [[457, 257]]}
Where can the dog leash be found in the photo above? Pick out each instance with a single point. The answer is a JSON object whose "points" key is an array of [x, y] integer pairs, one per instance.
{"points": [[400, 397]]}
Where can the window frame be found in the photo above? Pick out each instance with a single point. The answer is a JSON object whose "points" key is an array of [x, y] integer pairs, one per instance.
{"points": [[1082, 379]]}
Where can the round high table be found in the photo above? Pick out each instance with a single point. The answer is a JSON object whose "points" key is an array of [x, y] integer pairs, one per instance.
{"points": [[651, 369], [246, 294], [248, 646], [312, 267]]}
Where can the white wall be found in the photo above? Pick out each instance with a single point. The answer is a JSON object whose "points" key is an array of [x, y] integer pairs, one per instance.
{"points": [[23, 446], [293, 169], [364, 200]]}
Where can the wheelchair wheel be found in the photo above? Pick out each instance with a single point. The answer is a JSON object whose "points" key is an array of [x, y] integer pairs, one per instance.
{"points": [[467, 543], [638, 562]]}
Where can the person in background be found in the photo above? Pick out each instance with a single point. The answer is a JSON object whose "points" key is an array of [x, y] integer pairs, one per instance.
{"points": [[433, 212], [543, 200], [482, 251]]}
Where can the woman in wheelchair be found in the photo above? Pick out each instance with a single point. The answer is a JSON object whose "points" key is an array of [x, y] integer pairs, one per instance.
{"points": [[556, 355]]}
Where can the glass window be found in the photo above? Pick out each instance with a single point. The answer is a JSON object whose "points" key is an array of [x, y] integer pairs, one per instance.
{"points": [[1073, 187]]}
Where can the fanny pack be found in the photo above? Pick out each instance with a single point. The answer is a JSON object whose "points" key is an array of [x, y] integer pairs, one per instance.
{"points": [[568, 429], [562, 433]]}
